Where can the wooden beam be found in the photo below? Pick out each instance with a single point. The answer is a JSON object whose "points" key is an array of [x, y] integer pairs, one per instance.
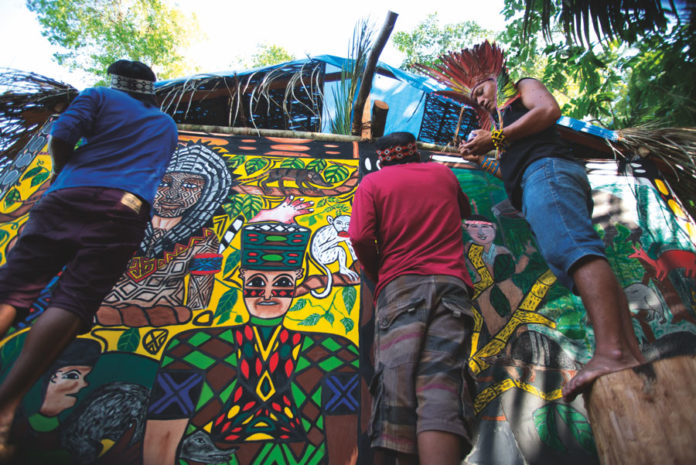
{"points": [[368, 74]]}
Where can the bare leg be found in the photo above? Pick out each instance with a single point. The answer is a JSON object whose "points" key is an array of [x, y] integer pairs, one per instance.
{"points": [[47, 338], [406, 459], [439, 448], [7, 316], [616, 344]]}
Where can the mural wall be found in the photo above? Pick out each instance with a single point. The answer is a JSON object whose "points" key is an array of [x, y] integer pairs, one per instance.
{"points": [[241, 331]]}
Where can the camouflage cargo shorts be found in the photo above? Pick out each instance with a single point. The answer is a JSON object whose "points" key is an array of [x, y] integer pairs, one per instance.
{"points": [[422, 340]]}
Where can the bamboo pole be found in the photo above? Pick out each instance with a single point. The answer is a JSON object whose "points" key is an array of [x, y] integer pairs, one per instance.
{"points": [[368, 74], [318, 136]]}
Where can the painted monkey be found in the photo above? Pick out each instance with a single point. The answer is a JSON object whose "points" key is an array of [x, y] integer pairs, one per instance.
{"points": [[326, 249]]}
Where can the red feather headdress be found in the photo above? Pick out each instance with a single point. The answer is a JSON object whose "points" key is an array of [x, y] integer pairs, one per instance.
{"points": [[462, 71]]}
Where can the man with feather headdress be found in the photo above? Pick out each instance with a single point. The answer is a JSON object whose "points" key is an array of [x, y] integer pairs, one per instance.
{"points": [[545, 182]]}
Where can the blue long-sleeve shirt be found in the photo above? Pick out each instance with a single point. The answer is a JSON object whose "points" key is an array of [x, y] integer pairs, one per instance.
{"points": [[128, 144]]}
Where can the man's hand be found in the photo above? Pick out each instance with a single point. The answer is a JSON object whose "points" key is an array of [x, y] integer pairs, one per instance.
{"points": [[475, 149]]}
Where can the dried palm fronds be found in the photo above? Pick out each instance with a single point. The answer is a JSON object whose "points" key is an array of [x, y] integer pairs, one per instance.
{"points": [[673, 150], [301, 86], [26, 101], [266, 94]]}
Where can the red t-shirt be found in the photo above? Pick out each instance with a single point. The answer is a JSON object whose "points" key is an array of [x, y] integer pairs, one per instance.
{"points": [[412, 213]]}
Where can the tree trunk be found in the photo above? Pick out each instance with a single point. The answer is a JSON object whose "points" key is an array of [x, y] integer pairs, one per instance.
{"points": [[366, 83], [646, 415]]}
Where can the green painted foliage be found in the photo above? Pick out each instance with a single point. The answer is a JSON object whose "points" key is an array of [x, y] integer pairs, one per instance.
{"points": [[318, 165], [347, 324], [129, 340], [545, 424], [295, 163], [254, 164], [311, 320], [545, 419], [299, 305], [232, 261], [336, 173], [12, 197], [226, 304], [349, 295]]}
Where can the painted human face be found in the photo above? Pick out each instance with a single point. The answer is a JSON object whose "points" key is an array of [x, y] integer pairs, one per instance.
{"points": [[481, 232], [268, 294], [63, 384], [485, 95], [177, 193]]}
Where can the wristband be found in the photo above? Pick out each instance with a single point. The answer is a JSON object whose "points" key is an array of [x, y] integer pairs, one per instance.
{"points": [[499, 140]]}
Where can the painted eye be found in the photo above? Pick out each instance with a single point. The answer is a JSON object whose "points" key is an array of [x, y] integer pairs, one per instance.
{"points": [[257, 281], [283, 281]]}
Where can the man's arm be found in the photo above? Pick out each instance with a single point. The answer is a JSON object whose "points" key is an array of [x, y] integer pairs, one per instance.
{"points": [[543, 113], [161, 441], [363, 232], [61, 152]]}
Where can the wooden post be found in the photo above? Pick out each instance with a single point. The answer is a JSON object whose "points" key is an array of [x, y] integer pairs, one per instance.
{"points": [[366, 128], [379, 117], [646, 415], [368, 74]]}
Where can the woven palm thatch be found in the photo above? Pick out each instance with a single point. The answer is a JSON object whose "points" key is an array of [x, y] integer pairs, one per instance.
{"points": [[285, 97], [26, 102]]}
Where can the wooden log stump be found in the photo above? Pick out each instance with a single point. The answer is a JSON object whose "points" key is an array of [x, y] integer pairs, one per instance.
{"points": [[646, 415], [379, 118]]}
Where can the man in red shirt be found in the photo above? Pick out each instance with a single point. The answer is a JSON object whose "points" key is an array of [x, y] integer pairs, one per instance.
{"points": [[406, 231]]}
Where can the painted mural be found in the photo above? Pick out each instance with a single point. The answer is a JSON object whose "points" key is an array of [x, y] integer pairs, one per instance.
{"points": [[240, 332]]}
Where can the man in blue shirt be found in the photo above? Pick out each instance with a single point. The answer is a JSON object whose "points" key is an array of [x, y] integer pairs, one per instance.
{"points": [[91, 219]]}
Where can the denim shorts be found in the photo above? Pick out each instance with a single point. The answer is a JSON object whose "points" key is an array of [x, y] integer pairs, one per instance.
{"points": [[557, 203], [422, 340], [91, 231]]}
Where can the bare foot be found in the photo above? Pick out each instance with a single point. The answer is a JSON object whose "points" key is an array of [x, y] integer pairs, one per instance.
{"points": [[599, 365], [6, 449]]}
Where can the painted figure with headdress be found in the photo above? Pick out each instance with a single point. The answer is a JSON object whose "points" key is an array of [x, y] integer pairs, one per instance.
{"points": [[549, 185], [177, 244], [257, 387]]}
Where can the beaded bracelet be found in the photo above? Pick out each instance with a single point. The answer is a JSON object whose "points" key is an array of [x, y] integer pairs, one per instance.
{"points": [[499, 140]]}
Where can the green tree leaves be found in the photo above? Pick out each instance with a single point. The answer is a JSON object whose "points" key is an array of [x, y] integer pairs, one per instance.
{"points": [[644, 76], [91, 34], [270, 54], [430, 40]]}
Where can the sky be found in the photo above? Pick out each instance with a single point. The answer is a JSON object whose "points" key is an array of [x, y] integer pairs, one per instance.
{"points": [[232, 29]]}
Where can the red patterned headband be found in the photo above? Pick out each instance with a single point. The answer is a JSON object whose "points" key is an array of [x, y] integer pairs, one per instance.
{"points": [[397, 152]]}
